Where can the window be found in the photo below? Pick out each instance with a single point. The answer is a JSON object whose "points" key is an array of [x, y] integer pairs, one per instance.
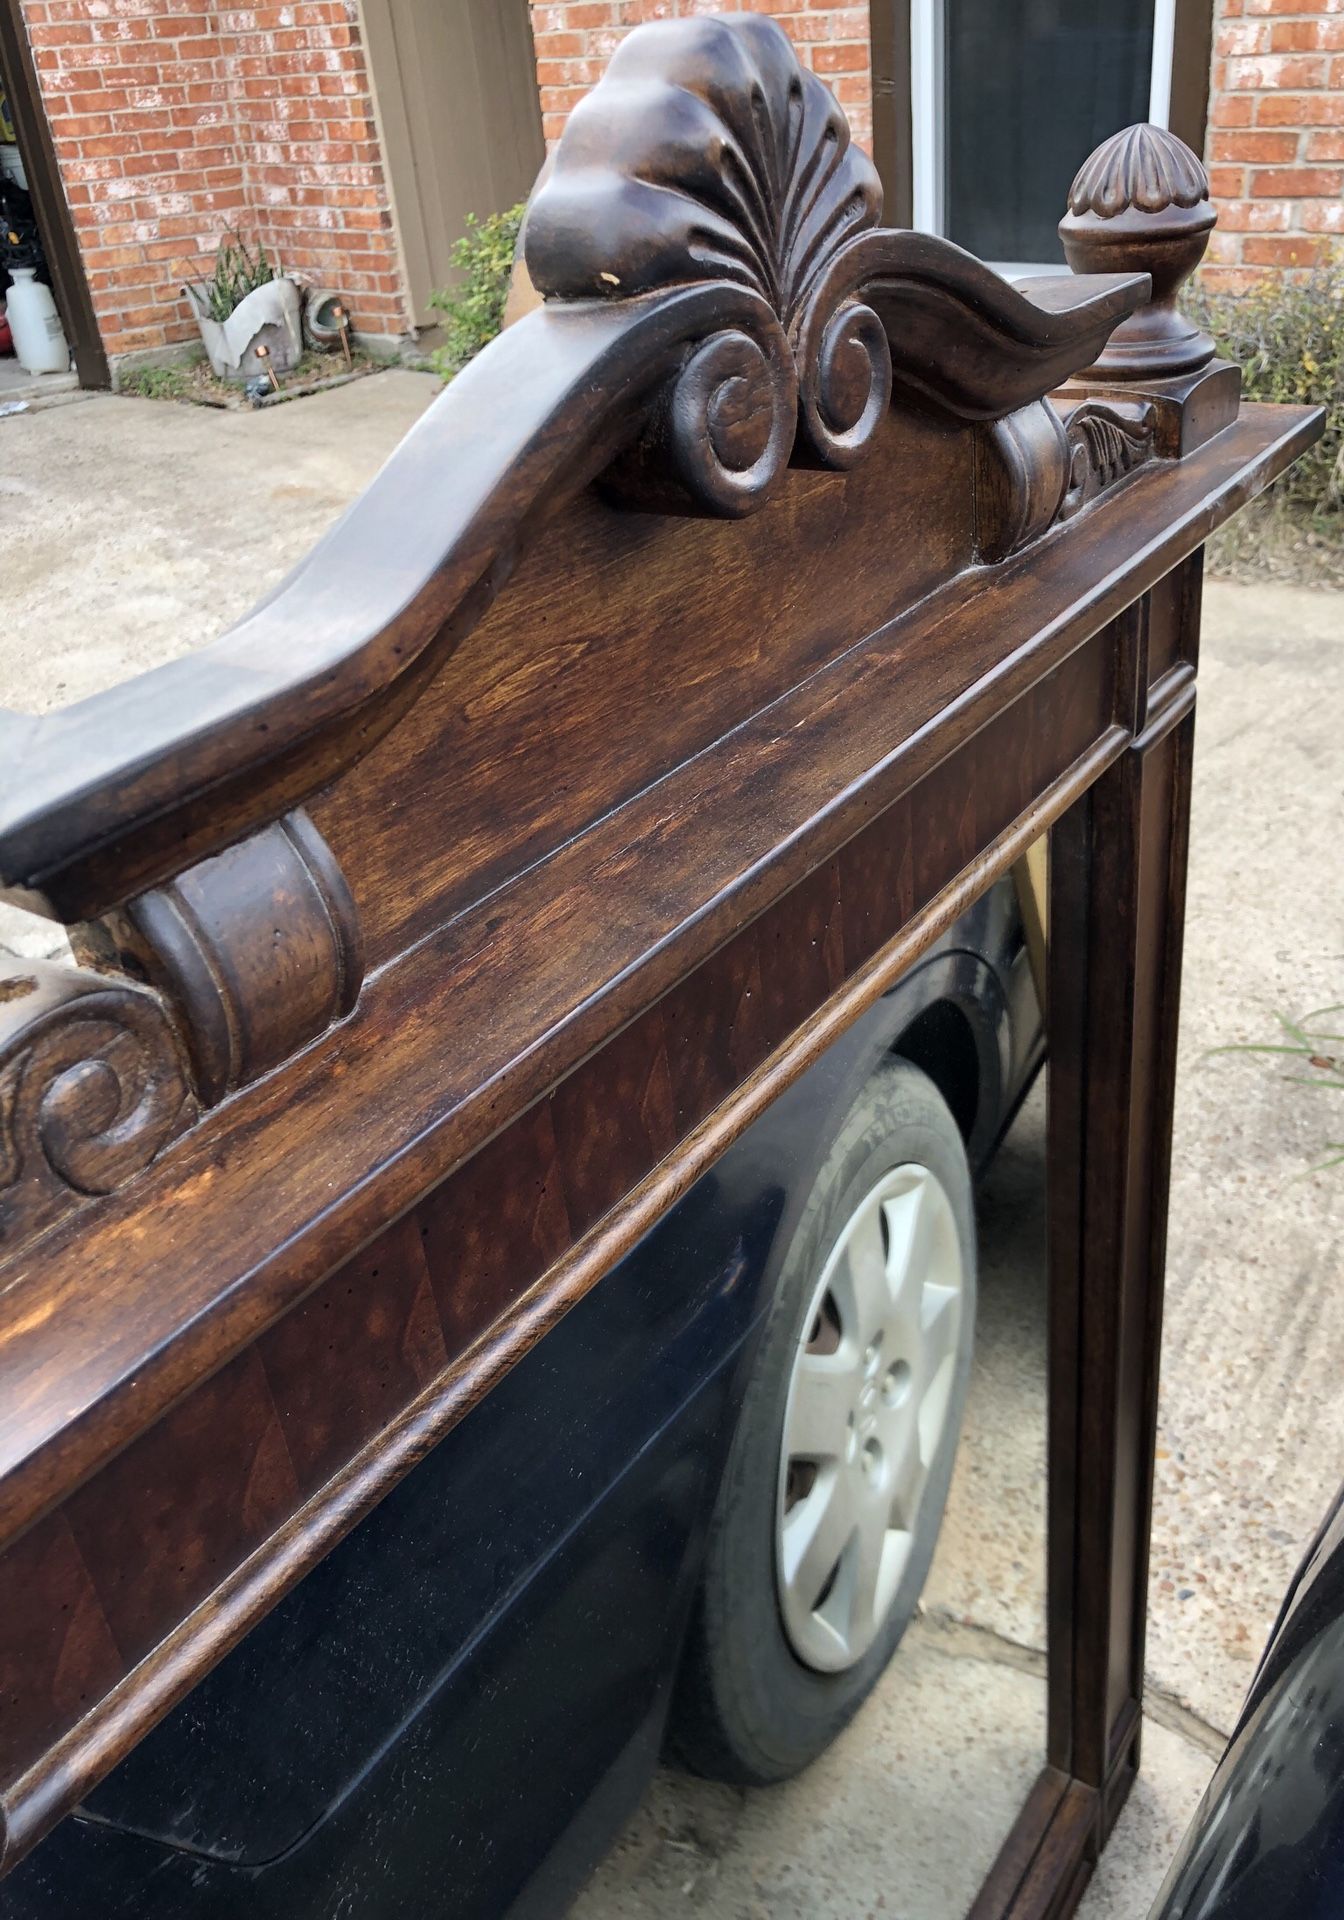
{"points": [[1008, 97]]}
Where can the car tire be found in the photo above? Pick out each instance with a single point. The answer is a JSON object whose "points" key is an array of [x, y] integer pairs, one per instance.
{"points": [[762, 1689]]}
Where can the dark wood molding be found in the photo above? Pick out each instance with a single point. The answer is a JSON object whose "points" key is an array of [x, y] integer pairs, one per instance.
{"points": [[1191, 63], [893, 127], [711, 644], [60, 243]]}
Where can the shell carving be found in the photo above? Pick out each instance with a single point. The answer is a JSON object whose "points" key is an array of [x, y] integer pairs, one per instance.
{"points": [[1142, 167], [708, 175], [707, 153]]}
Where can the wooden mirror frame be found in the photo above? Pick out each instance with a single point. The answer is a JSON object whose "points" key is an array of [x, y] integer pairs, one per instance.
{"points": [[718, 636]]}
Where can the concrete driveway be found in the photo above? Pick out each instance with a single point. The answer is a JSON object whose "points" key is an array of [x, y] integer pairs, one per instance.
{"points": [[135, 530]]}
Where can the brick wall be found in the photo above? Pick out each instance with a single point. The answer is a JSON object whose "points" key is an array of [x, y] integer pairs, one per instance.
{"points": [[575, 39], [176, 119], [1275, 145]]}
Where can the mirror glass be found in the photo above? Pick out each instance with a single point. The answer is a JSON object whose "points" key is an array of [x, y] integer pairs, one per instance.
{"points": [[906, 1811]]}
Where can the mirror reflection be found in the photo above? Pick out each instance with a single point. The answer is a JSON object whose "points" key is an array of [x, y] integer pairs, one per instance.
{"points": [[861, 1713]]}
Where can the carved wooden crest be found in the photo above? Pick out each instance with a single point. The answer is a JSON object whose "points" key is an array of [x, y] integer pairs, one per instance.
{"points": [[721, 304], [445, 920], [707, 154]]}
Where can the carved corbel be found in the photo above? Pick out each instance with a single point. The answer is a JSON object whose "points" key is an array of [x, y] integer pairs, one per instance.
{"points": [[257, 950], [1021, 471], [92, 1087]]}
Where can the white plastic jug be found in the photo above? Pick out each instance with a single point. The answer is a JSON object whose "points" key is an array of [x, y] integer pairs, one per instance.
{"points": [[39, 339]]}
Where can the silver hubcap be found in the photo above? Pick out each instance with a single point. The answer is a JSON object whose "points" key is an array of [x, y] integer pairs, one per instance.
{"points": [[868, 1403]]}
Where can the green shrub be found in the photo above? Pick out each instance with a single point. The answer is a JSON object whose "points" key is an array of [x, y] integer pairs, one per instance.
{"points": [[474, 309], [1288, 338]]}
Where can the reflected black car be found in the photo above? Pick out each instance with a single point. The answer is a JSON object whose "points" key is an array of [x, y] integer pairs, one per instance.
{"points": [[1268, 1840], [705, 1469]]}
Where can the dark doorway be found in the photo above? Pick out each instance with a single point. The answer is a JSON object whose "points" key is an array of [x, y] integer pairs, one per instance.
{"points": [[52, 214]]}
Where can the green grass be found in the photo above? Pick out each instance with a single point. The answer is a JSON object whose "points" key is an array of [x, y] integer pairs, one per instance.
{"points": [[1307, 1043], [158, 383]]}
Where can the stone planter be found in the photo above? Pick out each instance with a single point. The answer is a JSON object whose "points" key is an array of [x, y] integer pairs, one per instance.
{"points": [[269, 316]]}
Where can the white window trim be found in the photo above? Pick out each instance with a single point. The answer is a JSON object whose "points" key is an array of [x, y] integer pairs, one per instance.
{"points": [[927, 66]]}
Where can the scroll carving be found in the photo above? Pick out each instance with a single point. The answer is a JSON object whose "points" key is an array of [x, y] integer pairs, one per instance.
{"points": [[258, 950], [92, 1088], [1107, 440], [707, 154]]}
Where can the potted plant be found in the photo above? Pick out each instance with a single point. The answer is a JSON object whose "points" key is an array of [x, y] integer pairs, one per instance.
{"points": [[247, 303]]}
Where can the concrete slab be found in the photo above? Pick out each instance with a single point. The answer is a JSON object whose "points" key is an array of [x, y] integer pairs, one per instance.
{"points": [[1173, 1774], [135, 530], [865, 1831], [1251, 1447]]}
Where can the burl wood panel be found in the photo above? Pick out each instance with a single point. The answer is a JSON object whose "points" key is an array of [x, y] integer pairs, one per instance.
{"points": [[152, 1534]]}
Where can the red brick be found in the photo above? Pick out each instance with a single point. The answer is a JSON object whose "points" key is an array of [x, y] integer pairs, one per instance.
{"points": [[1291, 251], [560, 46], [1245, 36], [1278, 71], [1296, 183], [1325, 146], [1229, 279], [1325, 216], [1226, 183], [1300, 110], [841, 57], [1255, 216], [1231, 110], [1253, 145], [1307, 35]]}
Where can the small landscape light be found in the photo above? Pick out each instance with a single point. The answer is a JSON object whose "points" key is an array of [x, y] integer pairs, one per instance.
{"points": [[263, 354]]}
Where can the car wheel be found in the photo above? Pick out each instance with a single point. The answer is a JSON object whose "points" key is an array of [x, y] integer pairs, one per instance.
{"points": [[840, 1463]]}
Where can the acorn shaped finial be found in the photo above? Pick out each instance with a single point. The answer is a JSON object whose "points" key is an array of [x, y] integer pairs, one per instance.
{"points": [[1140, 204]]}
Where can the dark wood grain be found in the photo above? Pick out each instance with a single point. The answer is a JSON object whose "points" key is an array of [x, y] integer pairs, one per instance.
{"points": [[69, 1763], [725, 629], [706, 325], [435, 1058], [1118, 882]]}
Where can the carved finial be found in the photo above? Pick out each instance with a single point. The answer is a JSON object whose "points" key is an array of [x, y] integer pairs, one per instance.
{"points": [[1140, 204]]}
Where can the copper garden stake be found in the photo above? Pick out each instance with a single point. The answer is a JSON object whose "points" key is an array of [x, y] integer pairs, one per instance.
{"points": [[342, 319], [263, 353]]}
